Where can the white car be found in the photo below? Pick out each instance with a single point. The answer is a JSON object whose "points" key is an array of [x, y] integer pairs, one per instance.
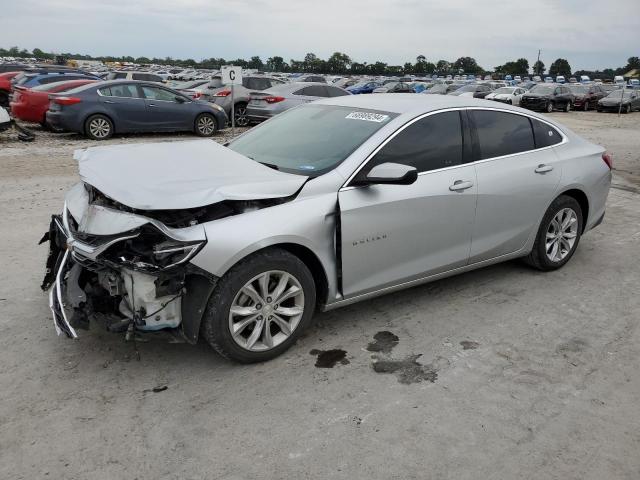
{"points": [[5, 120], [510, 95]]}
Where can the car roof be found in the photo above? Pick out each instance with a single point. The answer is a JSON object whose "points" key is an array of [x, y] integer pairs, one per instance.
{"points": [[414, 104]]}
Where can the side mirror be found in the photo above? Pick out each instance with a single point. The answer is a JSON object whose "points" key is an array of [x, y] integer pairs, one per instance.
{"points": [[392, 174], [180, 99]]}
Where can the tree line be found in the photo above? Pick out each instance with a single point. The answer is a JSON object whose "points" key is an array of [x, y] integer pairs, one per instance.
{"points": [[340, 63]]}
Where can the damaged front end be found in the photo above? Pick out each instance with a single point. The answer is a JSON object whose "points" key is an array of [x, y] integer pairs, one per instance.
{"points": [[124, 270]]}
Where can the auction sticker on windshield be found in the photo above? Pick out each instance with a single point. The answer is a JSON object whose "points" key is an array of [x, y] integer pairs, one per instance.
{"points": [[368, 116]]}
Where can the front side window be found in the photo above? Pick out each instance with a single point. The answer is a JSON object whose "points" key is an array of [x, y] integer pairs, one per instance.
{"points": [[430, 143], [316, 91], [153, 93], [501, 133]]}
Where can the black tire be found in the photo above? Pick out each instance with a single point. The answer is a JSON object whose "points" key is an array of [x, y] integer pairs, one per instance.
{"points": [[567, 107], [240, 112], [98, 127], [205, 125], [549, 107], [586, 106], [538, 256], [627, 109], [215, 323], [4, 99]]}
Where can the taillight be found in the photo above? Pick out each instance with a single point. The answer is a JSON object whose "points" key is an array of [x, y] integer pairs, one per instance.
{"points": [[608, 159], [196, 95], [271, 99], [222, 93], [66, 100]]}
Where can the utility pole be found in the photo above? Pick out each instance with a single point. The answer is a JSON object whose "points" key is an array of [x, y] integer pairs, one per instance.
{"points": [[537, 64]]}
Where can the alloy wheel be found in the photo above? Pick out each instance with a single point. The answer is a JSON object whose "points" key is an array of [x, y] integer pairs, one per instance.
{"points": [[586, 106], [99, 128], [240, 113], [561, 235], [549, 107], [206, 125], [266, 310]]}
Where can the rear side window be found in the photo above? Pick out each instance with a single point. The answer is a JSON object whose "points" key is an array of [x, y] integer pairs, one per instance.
{"points": [[428, 144], [501, 133], [545, 135], [125, 91], [336, 92], [153, 93], [316, 91], [118, 75]]}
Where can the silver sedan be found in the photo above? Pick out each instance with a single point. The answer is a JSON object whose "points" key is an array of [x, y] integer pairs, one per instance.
{"points": [[328, 204]]}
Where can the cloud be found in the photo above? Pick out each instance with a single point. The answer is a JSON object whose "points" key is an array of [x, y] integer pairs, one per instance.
{"points": [[590, 34]]}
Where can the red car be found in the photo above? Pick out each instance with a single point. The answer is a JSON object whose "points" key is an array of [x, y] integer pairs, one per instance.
{"points": [[5, 87], [31, 104]]}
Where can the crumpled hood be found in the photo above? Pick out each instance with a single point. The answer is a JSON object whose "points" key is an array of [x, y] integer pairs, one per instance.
{"points": [[180, 175]]}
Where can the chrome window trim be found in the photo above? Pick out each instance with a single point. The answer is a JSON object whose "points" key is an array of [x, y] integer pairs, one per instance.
{"points": [[565, 139], [115, 96]]}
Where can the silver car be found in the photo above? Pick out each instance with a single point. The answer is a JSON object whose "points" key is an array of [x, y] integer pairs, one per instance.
{"points": [[275, 100], [328, 204]]}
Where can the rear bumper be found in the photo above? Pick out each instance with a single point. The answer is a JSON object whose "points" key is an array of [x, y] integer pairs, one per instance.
{"points": [[64, 121], [26, 113], [259, 114]]}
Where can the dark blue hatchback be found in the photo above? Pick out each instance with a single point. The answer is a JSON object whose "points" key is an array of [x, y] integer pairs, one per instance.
{"points": [[121, 106]]}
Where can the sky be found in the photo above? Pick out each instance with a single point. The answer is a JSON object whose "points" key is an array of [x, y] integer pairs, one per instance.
{"points": [[591, 34]]}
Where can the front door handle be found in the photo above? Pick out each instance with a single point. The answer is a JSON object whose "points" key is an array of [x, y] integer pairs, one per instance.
{"points": [[151, 104], [460, 185], [542, 168]]}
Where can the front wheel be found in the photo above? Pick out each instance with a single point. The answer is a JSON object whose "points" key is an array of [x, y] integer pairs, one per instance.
{"points": [[585, 107], [549, 107], [260, 307], [205, 125], [558, 235], [567, 107], [628, 109]]}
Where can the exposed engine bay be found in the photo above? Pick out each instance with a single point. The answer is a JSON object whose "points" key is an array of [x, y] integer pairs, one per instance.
{"points": [[136, 279]]}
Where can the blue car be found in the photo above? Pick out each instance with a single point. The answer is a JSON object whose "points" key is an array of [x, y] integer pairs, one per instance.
{"points": [[33, 79], [364, 87]]}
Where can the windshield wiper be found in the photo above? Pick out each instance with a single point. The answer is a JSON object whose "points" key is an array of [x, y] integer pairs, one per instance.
{"points": [[270, 165]]}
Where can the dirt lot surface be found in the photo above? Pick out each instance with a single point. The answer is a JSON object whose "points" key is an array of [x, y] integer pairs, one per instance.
{"points": [[501, 373]]}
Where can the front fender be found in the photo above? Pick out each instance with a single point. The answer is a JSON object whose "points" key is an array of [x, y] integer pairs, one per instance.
{"points": [[307, 222]]}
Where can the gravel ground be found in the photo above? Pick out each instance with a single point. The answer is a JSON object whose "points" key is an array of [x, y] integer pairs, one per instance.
{"points": [[499, 373]]}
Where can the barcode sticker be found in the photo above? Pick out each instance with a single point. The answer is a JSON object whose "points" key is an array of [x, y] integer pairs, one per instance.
{"points": [[368, 116]]}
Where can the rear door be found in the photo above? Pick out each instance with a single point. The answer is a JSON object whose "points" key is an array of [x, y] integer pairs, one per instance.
{"points": [[397, 233], [164, 112], [124, 104], [516, 180]]}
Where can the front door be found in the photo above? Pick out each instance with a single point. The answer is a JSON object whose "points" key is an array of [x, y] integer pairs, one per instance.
{"points": [[396, 233], [164, 111]]}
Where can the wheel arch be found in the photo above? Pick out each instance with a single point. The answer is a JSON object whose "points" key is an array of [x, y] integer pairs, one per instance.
{"points": [[579, 196]]}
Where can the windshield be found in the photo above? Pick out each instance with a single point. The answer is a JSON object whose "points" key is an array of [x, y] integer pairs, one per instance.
{"points": [[579, 89], [504, 90], [391, 85], [542, 89], [50, 86], [467, 88], [618, 93], [311, 139], [439, 88]]}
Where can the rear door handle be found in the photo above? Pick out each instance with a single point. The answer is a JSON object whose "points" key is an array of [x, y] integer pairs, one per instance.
{"points": [[151, 104], [542, 168], [460, 185], [109, 101]]}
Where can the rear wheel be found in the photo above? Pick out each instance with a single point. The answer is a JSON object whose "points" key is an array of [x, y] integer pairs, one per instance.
{"points": [[585, 107], [98, 127], [260, 307], [549, 107], [240, 113], [558, 235], [567, 107], [628, 109], [4, 99], [205, 125]]}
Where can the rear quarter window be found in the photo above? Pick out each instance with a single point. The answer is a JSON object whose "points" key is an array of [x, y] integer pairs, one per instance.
{"points": [[545, 135]]}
